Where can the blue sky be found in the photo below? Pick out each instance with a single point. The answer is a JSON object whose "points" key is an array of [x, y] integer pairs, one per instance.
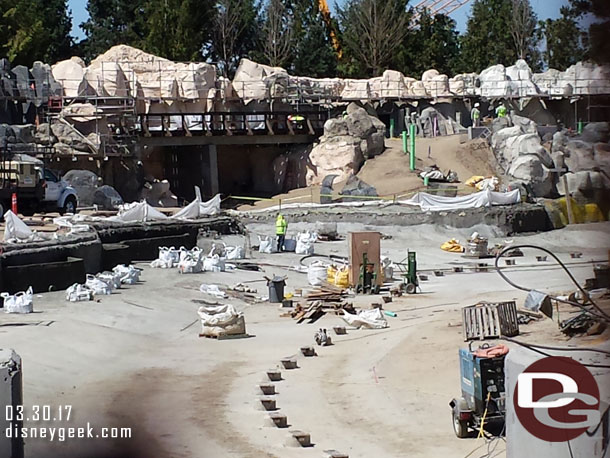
{"points": [[543, 8]]}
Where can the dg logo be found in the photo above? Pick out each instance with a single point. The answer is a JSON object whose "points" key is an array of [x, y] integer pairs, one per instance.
{"points": [[557, 399]]}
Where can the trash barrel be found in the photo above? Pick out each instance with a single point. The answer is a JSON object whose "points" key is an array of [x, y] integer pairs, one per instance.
{"points": [[276, 289]]}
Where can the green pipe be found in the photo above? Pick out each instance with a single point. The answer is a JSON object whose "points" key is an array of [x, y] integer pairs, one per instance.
{"points": [[392, 128], [404, 141], [426, 181], [580, 127], [412, 148]]}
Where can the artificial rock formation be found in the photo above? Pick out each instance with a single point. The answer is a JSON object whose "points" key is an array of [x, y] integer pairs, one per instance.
{"points": [[346, 143]]}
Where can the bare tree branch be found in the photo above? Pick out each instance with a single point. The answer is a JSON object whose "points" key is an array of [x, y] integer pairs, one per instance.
{"points": [[375, 30], [277, 33], [522, 26]]}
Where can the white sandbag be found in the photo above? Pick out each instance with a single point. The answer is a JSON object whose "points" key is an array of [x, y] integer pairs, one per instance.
{"points": [[159, 264], [112, 279], [372, 319], [190, 264], [21, 302], [214, 264], [266, 244], [235, 252], [128, 275], [213, 290], [99, 287], [305, 241], [78, 293], [168, 258], [14, 228], [221, 320], [316, 274]]}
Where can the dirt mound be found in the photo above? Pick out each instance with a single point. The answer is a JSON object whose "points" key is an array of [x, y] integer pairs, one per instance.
{"points": [[389, 172]]}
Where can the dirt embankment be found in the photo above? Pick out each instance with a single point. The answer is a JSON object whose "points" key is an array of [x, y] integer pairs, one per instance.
{"points": [[389, 172]]}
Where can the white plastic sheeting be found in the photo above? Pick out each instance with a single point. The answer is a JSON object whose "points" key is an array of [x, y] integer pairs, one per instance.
{"points": [[14, 228], [137, 212], [372, 319], [430, 202], [197, 209]]}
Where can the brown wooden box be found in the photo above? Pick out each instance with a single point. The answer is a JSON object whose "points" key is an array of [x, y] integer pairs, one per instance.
{"points": [[360, 243]]}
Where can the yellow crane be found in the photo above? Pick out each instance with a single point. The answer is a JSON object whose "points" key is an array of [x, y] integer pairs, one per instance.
{"points": [[323, 6]]}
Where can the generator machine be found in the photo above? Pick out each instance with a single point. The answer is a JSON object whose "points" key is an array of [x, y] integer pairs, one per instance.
{"points": [[482, 405]]}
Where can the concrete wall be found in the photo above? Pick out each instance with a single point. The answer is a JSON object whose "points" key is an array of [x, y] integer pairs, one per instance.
{"points": [[247, 170], [520, 443]]}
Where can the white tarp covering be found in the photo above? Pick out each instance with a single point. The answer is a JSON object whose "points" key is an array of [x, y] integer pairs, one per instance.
{"points": [[197, 209], [14, 228], [430, 202], [372, 319], [137, 212]]}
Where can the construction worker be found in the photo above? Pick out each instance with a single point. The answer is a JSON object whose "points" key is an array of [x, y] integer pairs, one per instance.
{"points": [[280, 231], [501, 111], [475, 115]]}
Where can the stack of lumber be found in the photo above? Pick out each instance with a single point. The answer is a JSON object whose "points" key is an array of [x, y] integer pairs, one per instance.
{"points": [[326, 293], [320, 301]]}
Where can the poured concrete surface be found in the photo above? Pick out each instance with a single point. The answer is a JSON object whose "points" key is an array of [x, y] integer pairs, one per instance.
{"points": [[125, 361]]}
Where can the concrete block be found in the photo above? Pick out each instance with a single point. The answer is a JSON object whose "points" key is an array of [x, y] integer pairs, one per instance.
{"points": [[335, 454], [274, 375], [280, 419], [45, 276], [268, 403], [289, 363], [302, 438], [339, 330], [308, 351], [268, 389]]}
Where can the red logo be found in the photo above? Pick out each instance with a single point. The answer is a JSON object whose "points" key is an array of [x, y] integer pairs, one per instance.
{"points": [[557, 399]]}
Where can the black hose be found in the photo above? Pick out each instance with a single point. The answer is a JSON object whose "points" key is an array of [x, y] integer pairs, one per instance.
{"points": [[601, 315]]}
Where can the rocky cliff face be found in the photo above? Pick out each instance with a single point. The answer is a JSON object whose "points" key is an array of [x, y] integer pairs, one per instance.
{"points": [[345, 145]]}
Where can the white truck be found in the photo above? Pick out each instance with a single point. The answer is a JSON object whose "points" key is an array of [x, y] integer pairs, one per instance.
{"points": [[37, 188]]}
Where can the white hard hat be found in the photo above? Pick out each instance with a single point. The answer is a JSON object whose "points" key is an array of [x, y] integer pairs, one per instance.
{"points": [[476, 105]]}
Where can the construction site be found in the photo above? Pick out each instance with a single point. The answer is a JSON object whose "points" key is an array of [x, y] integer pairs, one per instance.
{"points": [[283, 266]]}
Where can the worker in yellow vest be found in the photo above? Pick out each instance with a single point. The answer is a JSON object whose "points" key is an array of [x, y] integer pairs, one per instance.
{"points": [[475, 115], [501, 111], [281, 226]]}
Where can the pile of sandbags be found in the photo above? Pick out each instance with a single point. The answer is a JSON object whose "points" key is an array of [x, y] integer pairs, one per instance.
{"points": [[221, 320]]}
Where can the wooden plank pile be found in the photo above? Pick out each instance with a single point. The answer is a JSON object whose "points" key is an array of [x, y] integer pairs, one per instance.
{"points": [[321, 300]]}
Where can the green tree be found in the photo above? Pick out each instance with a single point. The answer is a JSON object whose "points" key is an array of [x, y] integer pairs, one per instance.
{"points": [[178, 29], [564, 40], [432, 43], [599, 31], [113, 22], [499, 32], [314, 54], [35, 30]]}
